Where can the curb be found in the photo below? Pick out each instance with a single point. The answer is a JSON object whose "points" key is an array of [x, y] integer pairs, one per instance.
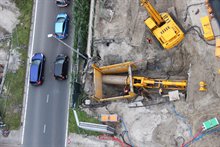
{"points": [[27, 70]]}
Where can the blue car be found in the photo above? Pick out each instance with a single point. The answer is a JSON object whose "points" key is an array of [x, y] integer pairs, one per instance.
{"points": [[61, 26], [37, 69]]}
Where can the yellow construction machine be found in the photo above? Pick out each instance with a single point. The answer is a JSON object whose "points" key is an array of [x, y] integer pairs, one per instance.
{"points": [[110, 75], [163, 27]]}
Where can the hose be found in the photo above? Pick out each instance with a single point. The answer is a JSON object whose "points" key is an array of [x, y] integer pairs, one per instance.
{"points": [[122, 136], [194, 137], [126, 132], [188, 9], [181, 117], [202, 135], [199, 32]]}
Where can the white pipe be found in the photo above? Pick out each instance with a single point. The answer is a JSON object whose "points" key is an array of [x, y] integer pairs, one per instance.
{"points": [[76, 117], [89, 41], [93, 126]]}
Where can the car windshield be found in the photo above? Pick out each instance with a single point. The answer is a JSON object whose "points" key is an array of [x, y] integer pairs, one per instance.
{"points": [[59, 61], [61, 20], [59, 2], [36, 62]]}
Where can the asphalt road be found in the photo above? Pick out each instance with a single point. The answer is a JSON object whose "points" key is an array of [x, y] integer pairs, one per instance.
{"points": [[47, 107]]}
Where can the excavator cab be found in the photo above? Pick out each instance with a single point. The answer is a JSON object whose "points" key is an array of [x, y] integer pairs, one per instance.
{"points": [[163, 27]]}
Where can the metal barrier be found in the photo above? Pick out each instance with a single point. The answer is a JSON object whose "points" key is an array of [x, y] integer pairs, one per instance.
{"points": [[92, 126]]}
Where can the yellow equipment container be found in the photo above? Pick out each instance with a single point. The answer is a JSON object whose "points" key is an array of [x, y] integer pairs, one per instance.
{"points": [[163, 27], [217, 49], [207, 28]]}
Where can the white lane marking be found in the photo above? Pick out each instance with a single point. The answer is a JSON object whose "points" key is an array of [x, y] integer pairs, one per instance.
{"points": [[45, 127], [48, 96], [32, 46]]}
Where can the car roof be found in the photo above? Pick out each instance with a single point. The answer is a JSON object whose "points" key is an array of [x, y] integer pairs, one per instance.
{"points": [[34, 72], [58, 68], [59, 27]]}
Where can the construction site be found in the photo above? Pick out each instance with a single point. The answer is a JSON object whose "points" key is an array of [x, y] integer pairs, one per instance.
{"points": [[155, 76]]}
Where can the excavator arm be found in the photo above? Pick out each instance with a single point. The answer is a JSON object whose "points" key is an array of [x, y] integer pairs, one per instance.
{"points": [[153, 13], [158, 83]]}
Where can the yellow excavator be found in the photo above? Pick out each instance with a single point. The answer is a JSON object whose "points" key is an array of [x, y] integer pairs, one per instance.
{"points": [[163, 27], [110, 75]]}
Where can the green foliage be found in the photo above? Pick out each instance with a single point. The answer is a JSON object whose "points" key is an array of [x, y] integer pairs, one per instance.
{"points": [[83, 116], [81, 21], [72, 123], [2, 108], [12, 120], [14, 84], [23, 28]]}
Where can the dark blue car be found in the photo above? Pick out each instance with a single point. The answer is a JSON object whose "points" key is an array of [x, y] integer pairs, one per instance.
{"points": [[61, 26], [37, 69]]}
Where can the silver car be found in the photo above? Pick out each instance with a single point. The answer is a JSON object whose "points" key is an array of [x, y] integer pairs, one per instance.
{"points": [[62, 3]]}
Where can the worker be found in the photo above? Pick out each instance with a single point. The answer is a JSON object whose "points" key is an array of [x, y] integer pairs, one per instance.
{"points": [[160, 91], [149, 40], [126, 90]]}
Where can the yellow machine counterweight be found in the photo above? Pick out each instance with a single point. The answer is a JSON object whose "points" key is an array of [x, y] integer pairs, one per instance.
{"points": [[163, 27]]}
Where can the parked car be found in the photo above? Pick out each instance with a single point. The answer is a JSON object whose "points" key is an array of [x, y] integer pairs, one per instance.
{"points": [[37, 69], [62, 3], [61, 26], [61, 67]]}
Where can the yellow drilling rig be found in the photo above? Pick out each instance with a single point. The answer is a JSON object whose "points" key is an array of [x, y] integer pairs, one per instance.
{"points": [[109, 75], [163, 27]]}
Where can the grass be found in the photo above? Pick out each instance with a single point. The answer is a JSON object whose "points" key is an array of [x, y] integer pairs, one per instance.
{"points": [[14, 82], [23, 29], [82, 116]]}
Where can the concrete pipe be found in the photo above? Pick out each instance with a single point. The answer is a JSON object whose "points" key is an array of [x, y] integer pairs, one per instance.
{"points": [[115, 80]]}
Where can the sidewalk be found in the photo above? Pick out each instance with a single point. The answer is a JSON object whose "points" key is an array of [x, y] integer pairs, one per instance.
{"points": [[13, 140]]}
